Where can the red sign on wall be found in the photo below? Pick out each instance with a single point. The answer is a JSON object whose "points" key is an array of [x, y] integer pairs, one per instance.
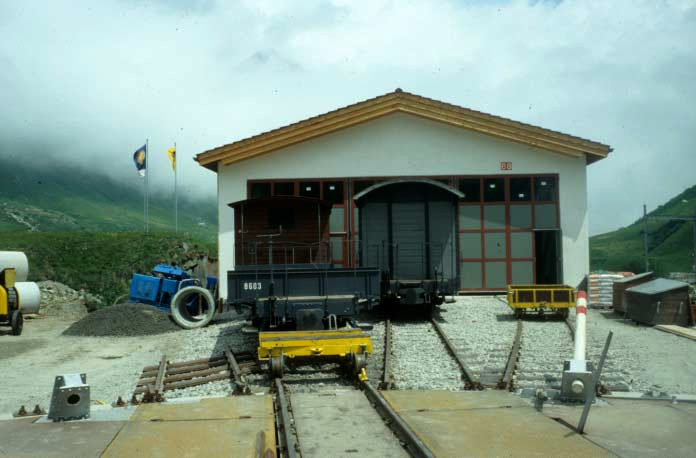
{"points": [[506, 165]]}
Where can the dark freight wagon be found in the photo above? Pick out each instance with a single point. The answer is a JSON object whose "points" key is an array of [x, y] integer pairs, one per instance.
{"points": [[620, 287], [408, 230], [660, 301]]}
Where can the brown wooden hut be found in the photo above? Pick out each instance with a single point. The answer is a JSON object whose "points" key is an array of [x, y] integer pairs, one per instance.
{"points": [[620, 287], [660, 301]]}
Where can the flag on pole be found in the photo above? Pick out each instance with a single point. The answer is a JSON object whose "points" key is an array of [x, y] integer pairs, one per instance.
{"points": [[171, 152], [139, 158]]}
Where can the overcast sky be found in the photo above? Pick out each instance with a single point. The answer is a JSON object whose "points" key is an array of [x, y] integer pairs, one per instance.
{"points": [[87, 82]]}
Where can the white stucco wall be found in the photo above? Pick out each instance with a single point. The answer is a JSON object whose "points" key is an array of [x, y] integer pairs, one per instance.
{"points": [[406, 145]]}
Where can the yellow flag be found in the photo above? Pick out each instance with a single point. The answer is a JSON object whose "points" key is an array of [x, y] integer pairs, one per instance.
{"points": [[171, 152]]}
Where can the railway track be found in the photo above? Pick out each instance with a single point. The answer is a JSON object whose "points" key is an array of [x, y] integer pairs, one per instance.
{"points": [[498, 379], [166, 376], [302, 430], [546, 344]]}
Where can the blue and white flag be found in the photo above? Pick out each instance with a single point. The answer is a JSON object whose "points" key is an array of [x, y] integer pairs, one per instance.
{"points": [[140, 157]]}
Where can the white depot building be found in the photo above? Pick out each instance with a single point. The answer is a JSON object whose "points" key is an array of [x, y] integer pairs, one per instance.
{"points": [[415, 186]]}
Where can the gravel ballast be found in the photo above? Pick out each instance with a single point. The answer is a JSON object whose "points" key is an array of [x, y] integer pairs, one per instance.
{"points": [[482, 329], [123, 320], [641, 357], [421, 360]]}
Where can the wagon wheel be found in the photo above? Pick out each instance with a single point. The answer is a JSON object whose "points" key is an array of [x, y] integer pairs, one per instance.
{"points": [[17, 322], [358, 362], [519, 313], [276, 365], [564, 312]]}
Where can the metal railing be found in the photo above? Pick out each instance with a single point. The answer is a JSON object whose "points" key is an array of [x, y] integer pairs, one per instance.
{"points": [[434, 260], [287, 253]]}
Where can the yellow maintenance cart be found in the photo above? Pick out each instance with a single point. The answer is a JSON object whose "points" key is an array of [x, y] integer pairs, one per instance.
{"points": [[540, 299], [10, 314], [350, 346]]}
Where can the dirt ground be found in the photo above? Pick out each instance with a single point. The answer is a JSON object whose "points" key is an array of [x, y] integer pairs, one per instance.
{"points": [[31, 361]]}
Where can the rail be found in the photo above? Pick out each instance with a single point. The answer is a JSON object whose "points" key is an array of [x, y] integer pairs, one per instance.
{"points": [[412, 442], [386, 383], [288, 443], [470, 382], [505, 382]]}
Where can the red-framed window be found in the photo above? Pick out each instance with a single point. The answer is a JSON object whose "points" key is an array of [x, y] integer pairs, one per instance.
{"points": [[498, 217]]}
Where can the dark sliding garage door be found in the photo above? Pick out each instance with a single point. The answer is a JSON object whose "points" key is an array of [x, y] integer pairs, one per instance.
{"points": [[410, 229]]}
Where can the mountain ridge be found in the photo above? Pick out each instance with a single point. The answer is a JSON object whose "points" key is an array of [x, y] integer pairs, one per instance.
{"points": [[65, 198], [670, 242]]}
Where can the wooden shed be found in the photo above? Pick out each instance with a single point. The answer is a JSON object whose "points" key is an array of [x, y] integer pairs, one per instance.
{"points": [[660, 301], [620, 287]]}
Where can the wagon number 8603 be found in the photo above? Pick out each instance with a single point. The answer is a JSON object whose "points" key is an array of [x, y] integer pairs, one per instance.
{"points": [[252, 285]]}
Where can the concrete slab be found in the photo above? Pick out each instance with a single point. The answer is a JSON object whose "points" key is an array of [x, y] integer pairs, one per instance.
{"points": [[637, 428], [231, 426], [486, 423], [21, 438], [341, 424]]}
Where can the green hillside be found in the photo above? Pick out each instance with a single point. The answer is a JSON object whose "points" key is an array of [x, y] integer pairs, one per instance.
{"points": [[670, 243], [62, 198], [102, 263]]}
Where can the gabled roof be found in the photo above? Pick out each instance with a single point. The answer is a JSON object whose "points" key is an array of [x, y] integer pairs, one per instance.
{"points": [[402, 102]]}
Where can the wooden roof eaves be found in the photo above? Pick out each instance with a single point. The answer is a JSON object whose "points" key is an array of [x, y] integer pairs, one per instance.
{"points": [[499, 131], [509, 122], [213, 154], [309, 133], [318, 130], [408, 103]]}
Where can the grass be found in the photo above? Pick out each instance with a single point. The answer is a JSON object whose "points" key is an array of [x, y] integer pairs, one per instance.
{"points": [[100, 262], [670, 243], [61, 198]]}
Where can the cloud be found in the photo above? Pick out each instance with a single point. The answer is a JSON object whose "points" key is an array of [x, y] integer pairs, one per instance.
{"points": [[88, 82]]}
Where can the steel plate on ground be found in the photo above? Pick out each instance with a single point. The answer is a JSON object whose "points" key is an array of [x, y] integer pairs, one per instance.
{"points": [[231, 426], [21, 438], [341, 424], [486, 423], [636, 428]]}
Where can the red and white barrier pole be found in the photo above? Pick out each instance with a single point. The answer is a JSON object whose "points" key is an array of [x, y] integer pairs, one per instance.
{"points": [[580, 326], [579, 363]]}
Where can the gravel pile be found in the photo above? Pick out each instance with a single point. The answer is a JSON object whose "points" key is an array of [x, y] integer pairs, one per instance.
{"points": [[421, 360], [123, 320], [61, 301]]}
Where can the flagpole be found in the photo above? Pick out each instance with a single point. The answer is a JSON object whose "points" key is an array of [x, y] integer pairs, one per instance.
{"points": [[176, 194], [147, 187], [144, 198]]}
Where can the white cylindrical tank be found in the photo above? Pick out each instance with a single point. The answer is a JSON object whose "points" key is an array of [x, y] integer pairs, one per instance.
{"points": [[29, 296], [16, 260]]}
